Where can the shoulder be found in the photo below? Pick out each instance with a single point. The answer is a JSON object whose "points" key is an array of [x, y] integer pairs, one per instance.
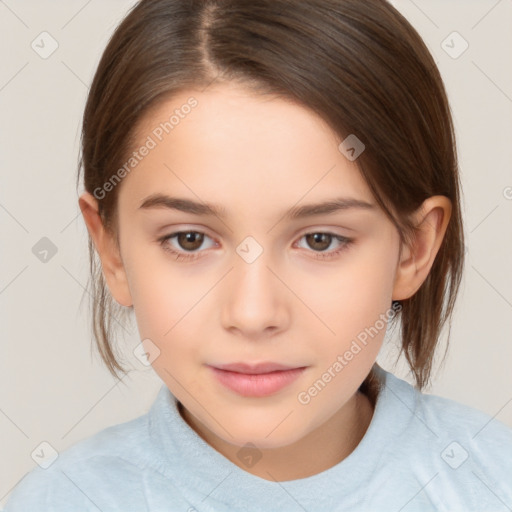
{"points": [[440, 418], [443, 415], [464, 420], [96, 468], [486, 437], [464, 454]]}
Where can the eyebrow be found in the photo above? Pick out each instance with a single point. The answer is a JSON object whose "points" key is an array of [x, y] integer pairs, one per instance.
{"points": [[297, 212]]}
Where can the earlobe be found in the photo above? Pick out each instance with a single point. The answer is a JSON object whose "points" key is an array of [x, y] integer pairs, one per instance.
{"points": [[111, 262], [418, 256]]}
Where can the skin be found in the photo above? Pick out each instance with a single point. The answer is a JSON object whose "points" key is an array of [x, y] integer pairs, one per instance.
{"points": [[258, 157]]}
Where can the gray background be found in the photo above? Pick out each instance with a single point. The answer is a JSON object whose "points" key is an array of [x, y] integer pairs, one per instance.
{"points": [[51, 388]]}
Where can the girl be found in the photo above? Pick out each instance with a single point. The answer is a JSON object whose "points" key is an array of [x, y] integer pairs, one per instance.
{"points": [[269, 185]]}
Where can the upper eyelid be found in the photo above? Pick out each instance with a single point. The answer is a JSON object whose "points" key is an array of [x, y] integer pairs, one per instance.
{"points": [[297, 238], [304, 231], [301, 233]]}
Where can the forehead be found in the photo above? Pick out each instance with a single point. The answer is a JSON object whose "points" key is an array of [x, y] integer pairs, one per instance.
{"points": [[231, 146]]}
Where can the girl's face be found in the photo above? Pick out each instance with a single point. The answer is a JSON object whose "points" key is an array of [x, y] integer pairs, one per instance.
{"points": [[258, 281]]}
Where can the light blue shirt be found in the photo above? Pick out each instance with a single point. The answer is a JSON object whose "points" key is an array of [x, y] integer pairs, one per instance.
{"points": [[420, 453]]}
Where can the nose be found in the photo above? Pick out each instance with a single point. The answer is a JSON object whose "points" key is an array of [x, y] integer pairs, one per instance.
{"points": [[255, 301]]}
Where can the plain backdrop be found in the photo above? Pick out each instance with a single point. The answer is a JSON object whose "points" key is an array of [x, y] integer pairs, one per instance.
{"points": [[52, 388]]}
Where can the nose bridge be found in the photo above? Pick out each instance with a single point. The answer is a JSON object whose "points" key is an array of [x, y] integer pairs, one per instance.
{"points": [[252, 279], [254, 276], [255, 299]]}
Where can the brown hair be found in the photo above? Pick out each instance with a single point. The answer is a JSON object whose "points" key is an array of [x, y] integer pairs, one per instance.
{"points": [[359, 65]]}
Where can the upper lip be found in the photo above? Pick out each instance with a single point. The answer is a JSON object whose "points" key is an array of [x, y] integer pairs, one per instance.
{"points": [[254, 369]]}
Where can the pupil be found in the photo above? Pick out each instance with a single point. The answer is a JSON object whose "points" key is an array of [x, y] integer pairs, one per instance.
{"points": [[190, 240], [318, 238]]}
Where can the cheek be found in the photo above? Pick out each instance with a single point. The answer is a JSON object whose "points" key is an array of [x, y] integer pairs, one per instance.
{"points": [[163, 294], [353, 294], [171, 299], [168, 309], [355, 304]]}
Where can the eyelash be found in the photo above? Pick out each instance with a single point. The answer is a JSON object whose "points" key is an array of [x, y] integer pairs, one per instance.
{"points": [[320, 255]]}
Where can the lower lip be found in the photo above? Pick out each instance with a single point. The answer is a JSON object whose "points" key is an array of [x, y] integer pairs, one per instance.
{"points": [[263, 384]]}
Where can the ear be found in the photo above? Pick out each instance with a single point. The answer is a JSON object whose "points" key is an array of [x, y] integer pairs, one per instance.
{"points": [[111, 262], [418, 256]]}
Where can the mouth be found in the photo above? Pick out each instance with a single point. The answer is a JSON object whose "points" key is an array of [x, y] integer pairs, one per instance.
{"points": [[256, 380]]}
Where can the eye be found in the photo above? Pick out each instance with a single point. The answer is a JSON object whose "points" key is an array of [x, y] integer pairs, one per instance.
{"points": [[188, 242], [321, 241]]}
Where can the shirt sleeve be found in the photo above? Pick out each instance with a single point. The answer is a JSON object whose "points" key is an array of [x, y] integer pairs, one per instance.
{"points": [[45, 490]]}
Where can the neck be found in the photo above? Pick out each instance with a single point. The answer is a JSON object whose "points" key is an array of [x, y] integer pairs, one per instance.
{"points": [[330, 443]]}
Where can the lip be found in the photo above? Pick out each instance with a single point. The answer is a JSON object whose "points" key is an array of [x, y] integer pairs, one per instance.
{"points": [[256, 380], [254, 369]]}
